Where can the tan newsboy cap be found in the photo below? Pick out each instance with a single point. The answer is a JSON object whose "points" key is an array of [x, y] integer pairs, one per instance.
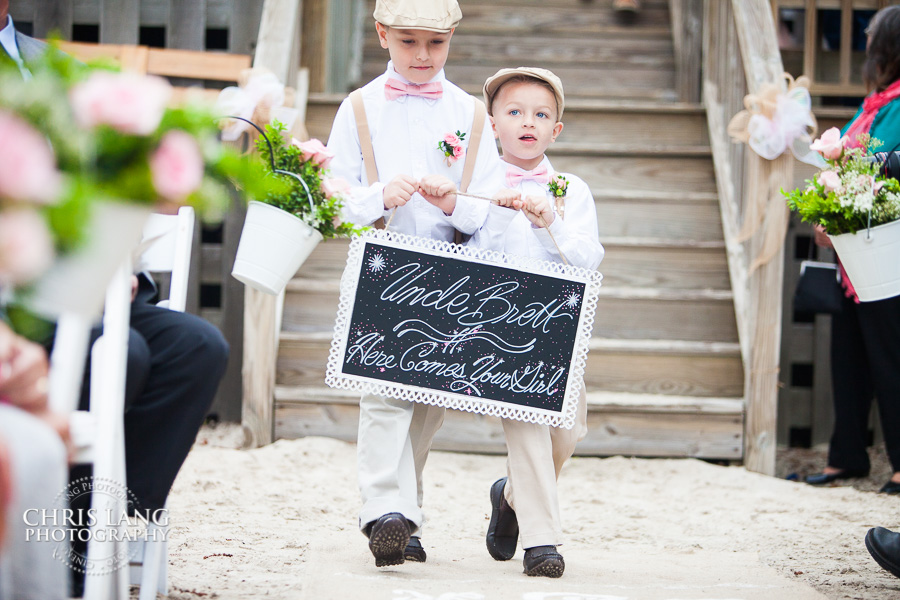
{"points": [[431, 15], [496, 80]]}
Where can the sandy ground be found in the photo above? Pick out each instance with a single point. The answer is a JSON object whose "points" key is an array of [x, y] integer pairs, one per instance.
{"points": [[280, 522]]}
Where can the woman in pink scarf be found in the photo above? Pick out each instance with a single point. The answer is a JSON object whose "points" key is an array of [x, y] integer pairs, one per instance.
{"points": [[865, 338]]}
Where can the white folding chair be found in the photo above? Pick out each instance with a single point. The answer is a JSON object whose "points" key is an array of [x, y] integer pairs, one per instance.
{"points": [[99, 433], [170, 238]]}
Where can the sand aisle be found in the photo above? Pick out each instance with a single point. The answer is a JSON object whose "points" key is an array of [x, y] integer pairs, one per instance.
{"points": [[279, 522]]}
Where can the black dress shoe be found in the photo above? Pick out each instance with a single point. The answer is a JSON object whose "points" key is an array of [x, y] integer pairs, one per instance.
{"points": [[884, 546], [388, 537], [891, 487], [823, 478], [414, 551], [544, 561], [503, 530]]}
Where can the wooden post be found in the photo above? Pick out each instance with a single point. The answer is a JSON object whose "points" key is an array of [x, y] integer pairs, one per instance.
{"points": [[762, 64], [687, 30], [187, 25], [53, 15], [119, 21], [278, 46], [261, 325], [245, 26], [765, 178], [278, 50]]}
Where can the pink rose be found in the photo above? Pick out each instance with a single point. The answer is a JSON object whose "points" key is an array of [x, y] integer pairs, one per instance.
{"points": [[335, 186], [830, 145], [458, 152], [177, 166], [451, 139], [829, 180], [27, 165], [127, 102], [315, 151], [26, 249]]}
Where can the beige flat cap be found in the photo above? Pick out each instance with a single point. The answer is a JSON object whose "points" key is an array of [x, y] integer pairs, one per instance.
{"points": [[431, 15], [494, 82]]}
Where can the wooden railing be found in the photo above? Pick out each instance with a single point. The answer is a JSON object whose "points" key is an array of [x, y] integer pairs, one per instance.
{"points": [[830, 56], [740, 54]]}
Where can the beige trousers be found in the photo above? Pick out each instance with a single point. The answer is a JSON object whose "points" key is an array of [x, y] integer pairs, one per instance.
{"points": [[394, 440], [536, 454]]}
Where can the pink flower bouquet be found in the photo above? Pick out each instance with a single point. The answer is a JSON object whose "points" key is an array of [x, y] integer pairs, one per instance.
{"points": [[73, 135], [850, 194]]}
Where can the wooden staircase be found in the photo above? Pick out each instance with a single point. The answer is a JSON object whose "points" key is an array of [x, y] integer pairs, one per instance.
{"points": [[664, 374]]}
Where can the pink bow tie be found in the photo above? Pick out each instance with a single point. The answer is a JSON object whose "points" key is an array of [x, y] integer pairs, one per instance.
{"points": [[394, 89], [515, 175]]}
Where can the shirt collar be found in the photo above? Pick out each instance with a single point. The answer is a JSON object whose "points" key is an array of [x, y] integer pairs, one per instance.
{"points": [[8, 41]]}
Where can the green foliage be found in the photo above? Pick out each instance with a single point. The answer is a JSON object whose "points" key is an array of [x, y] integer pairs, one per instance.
{"points": [[316, 208], [851, 206]]}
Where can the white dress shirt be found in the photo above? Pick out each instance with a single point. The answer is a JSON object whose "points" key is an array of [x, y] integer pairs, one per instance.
{"points": [[577, 234], [8, 41], [405, 136]]}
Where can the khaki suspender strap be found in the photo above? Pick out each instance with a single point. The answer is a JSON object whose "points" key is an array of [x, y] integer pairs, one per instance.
{"points": [[474, 143], [365, 138], [471, 153], [365, 143]]}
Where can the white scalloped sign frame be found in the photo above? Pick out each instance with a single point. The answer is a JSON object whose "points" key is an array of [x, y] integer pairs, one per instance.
{"points": [[486, 364]]}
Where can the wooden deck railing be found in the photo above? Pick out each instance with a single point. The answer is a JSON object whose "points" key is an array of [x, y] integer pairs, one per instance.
{"points": [[740, 54], [830, 59]]}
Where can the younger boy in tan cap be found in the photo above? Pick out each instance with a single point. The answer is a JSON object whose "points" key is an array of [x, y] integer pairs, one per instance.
{"points": [[391, 140], [554, 218]]}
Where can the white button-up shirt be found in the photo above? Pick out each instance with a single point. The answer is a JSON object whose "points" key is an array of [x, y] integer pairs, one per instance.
{"points": [[8, 41], [405, 137], [577, 234]]}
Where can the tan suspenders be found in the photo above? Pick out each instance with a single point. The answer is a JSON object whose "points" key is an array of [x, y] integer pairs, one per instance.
{"points": [[368, 154]]}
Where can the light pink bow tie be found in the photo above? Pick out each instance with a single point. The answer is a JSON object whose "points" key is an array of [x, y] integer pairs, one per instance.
{"points": [[515, 175], [394, 89]]}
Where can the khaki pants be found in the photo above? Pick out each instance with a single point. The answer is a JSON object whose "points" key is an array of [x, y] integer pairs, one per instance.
{"points": [[394, 440], [536, 454]]}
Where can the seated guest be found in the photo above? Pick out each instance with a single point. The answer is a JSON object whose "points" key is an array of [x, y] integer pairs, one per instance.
{"points": [[32, 471]]}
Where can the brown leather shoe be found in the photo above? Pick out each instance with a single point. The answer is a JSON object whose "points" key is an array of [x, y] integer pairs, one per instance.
{"points": [[503, 530], [388, 537], [544, 561]]}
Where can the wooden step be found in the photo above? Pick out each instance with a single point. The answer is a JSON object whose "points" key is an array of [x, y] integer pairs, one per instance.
{"points": [[670, 367], [669, 218], [644, 50], [610, 122], [627, 424], [656, 84], [622, 313], [629, 262], [660, 173], [668, 266]]}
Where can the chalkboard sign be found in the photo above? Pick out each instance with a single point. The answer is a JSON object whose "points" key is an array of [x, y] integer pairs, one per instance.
{"points": [[463, 328]]}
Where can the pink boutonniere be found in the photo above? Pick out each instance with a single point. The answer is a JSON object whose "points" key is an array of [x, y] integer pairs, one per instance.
{"points": [[558, 186], [452, 147]]}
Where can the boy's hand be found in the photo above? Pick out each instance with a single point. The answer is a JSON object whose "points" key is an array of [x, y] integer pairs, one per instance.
{"points": [[399, 191], [509, 198], [440, 191], [538, 211]]}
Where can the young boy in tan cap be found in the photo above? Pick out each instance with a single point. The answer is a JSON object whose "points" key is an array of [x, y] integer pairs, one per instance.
{"points": [[554, 217], [406, 141]]}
